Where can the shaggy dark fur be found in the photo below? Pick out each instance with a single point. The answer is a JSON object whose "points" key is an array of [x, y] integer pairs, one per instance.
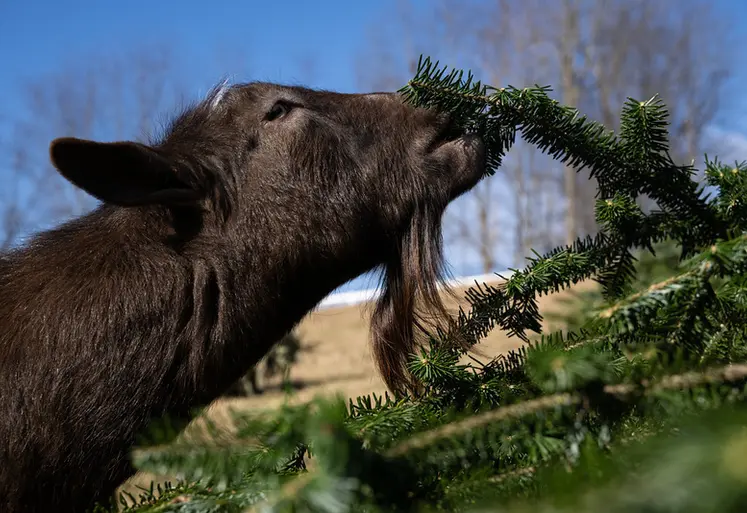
{"points": [[210, 244]]}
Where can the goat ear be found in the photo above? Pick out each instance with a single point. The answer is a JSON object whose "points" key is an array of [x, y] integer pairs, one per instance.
{"points": [[121, 173]]}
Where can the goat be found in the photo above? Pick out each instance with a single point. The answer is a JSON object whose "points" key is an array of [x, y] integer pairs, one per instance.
{"points": [[209, 244]]}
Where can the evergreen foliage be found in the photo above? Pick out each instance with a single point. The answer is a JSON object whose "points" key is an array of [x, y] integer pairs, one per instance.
{"points": [[636, 406]]}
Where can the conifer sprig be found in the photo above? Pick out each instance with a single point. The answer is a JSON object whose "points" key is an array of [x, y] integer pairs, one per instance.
{"points": [[569, 138], [635, 163]]}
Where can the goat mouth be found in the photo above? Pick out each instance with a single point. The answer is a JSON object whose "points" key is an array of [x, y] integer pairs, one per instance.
{"points": [[448, 131], [462, 152]]}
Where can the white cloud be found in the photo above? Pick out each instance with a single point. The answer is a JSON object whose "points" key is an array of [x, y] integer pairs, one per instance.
{"points": [[729, 145]]}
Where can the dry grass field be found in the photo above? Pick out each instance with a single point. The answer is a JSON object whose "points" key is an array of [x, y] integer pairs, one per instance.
{"points": [[335, 358]]}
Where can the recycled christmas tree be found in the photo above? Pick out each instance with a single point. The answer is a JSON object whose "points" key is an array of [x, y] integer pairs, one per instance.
{"points": [[638, 406]]}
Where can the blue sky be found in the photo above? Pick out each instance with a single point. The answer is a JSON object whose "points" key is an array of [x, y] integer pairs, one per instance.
{"points": [[40, 36], [36, 35]]}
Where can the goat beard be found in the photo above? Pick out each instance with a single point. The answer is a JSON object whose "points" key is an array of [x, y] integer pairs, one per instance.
{"points": [[411, 307]]}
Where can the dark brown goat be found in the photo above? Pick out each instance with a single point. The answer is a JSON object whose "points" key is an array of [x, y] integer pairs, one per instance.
{"points": [[209, 245]]}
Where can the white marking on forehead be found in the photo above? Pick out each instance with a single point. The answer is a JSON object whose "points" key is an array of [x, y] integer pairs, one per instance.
{"points": [[216, 95]]}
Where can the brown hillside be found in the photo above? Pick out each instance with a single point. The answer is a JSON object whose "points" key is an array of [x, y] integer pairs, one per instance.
{"points": [[335, 358]]}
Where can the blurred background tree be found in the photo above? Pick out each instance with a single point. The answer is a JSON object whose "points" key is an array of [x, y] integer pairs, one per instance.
{"points": [[595, 54]]}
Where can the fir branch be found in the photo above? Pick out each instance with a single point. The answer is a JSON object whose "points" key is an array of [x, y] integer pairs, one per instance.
{"points": [[512, 306], [559, 131], [661, 288], [727, 374], [287, 492], [730, 373], [450, 430]]}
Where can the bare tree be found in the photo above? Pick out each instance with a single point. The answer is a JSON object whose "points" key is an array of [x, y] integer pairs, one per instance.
{"points": [[594, 54], [686, 66], [607, 51], [386, 67], [524, 181]]}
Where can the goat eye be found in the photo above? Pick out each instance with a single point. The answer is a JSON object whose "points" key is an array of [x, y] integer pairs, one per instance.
{"points": [[277, 111]]}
